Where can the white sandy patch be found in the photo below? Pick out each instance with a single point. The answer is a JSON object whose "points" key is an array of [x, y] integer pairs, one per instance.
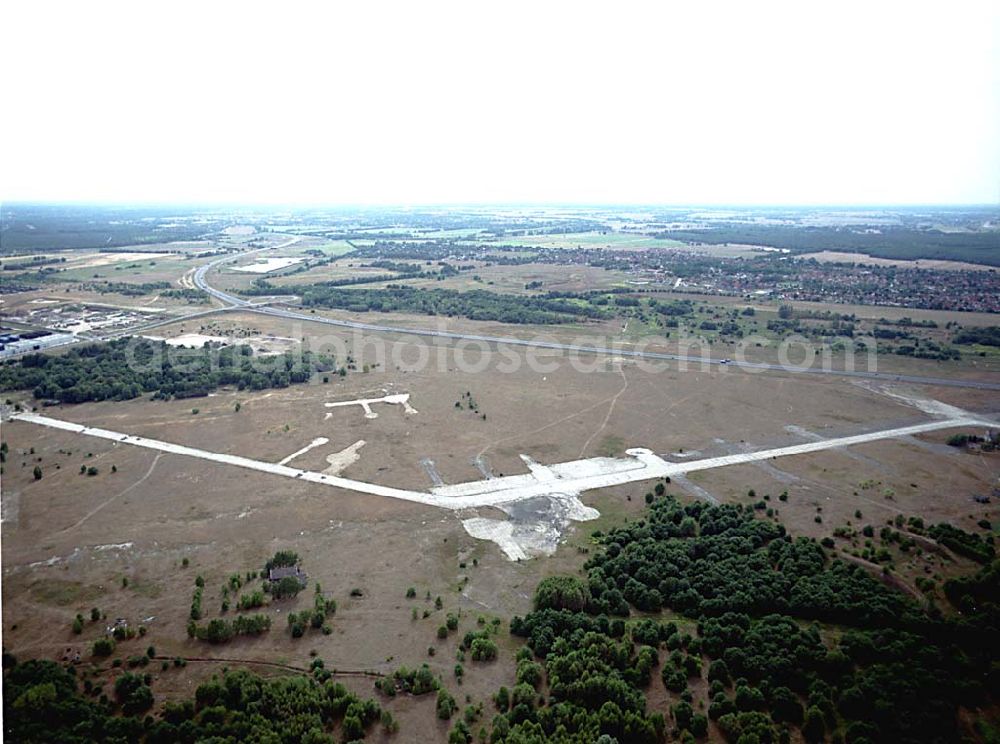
{"points": [[268, 265], [338, 461], [497, 531], [50, 562], [104, 259], [272, 345], [318, 441], [534, 531], [240, 230], [927, 405], [399, 399], [196, 340]]}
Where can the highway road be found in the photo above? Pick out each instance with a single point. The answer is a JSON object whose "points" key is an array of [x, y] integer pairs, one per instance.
{"points": [[225, 297], [238, 302]]}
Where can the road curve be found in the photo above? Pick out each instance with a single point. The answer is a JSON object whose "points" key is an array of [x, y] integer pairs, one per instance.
{"points": [[225, 297], [238, 302]]}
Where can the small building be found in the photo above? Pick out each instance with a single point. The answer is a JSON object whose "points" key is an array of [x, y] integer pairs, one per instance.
{"points": [[284, 572]]}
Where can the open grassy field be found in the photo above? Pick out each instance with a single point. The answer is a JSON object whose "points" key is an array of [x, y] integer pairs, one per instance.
{"points": [[156, 269], [334, 247]]}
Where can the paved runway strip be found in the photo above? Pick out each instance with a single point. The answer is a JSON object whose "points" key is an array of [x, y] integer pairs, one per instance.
{"points": [[568, 479]]}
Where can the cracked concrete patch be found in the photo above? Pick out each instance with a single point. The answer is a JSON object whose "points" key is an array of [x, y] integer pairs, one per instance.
{"points": [[535, 527]]}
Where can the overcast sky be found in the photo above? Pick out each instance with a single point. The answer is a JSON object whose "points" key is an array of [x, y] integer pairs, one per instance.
{"points": [[421, 102]]}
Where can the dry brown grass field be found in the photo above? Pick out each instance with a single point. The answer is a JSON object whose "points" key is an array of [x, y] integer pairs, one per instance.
{"points": [[70, 539]]}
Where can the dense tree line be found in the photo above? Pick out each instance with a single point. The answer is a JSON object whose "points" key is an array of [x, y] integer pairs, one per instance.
{"points": [[263, 288], [281, 559], [475, 304], [32, 262], [126, 368], [978, 598], [987, 336], [42, 703], [187, 294], [23, 283], [129, 289], [732, 561], [220, 630], [963, 543], [896, 671], [889, 242], [43, 228]]}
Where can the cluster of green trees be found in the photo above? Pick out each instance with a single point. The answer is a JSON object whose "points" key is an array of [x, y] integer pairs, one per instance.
{"points": [[281, 559], [897, 672], [287, 586], [414, 681], [187, 294], [134, 693], [978, 597], [128, 367], [31, 262], [562, 592], [479, 645], [129, 289], [963, 543], [196, 597], [23, 283], [265, 288], [42, 703], [103, 646], [220, 630], [589, 694], [251, 601], [962, 440], [316, 617], [987, 336], [926, 349], [731, 561]]}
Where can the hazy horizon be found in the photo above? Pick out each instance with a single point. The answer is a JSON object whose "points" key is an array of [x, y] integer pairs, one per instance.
{"points": [[140, 204]]}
